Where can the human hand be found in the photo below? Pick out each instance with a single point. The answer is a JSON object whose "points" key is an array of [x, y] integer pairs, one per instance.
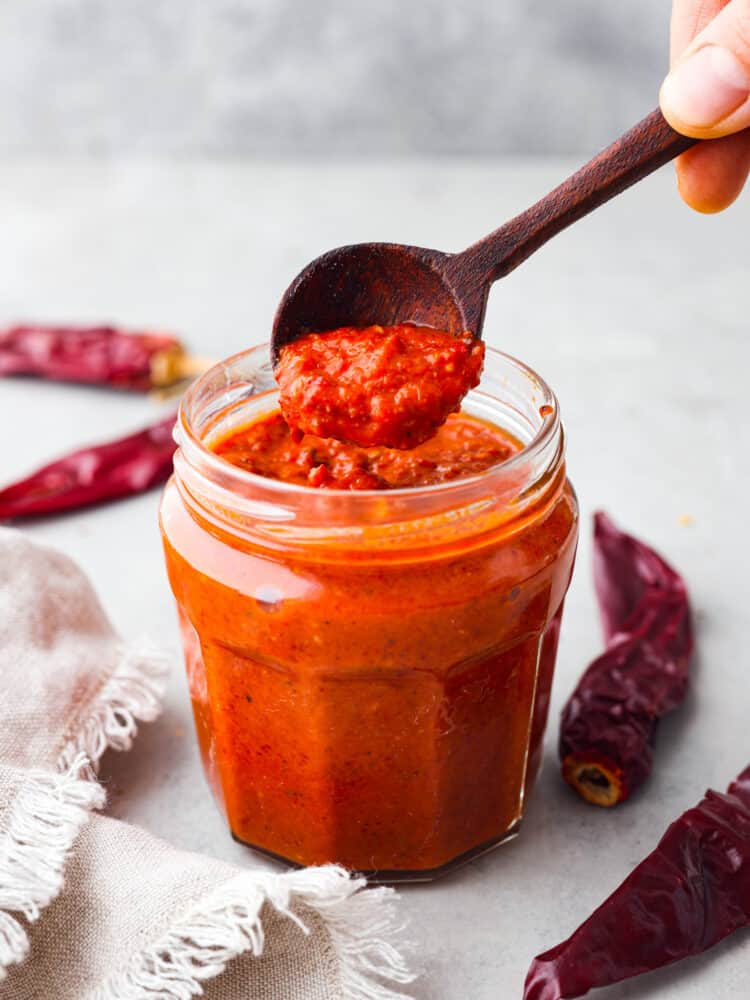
{"points": [[707, 95]]}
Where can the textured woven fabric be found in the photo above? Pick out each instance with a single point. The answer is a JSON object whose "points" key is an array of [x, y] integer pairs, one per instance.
{"points": [[68, 682], [95, 909]]}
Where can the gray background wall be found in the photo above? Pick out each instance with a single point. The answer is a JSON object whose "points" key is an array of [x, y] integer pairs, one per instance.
{"points": [[292, 77]]}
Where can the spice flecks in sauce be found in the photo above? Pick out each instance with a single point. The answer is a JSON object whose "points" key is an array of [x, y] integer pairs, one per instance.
{"points": [[462, 447]]}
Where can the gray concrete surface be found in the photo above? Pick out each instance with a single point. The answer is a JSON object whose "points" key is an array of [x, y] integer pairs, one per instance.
{"points": [[352, 77], [638, 316]]}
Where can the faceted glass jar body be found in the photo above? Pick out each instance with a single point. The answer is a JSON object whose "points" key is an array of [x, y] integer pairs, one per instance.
{"points": [[370, 671]]}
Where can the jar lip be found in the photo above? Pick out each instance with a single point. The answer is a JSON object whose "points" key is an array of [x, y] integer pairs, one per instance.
{"points": [[186, 436]]}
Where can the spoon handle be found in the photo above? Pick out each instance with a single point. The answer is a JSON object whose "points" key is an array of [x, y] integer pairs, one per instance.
{"points": [[645, 147]]}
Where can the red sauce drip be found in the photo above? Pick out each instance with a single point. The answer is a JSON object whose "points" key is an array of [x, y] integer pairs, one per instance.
{"points": [[462, 447], [391, 386]]}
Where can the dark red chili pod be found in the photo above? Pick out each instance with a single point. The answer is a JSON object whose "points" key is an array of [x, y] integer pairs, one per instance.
{"points": [[98, 355], [686, 896], [94, 475], [609, 724]]}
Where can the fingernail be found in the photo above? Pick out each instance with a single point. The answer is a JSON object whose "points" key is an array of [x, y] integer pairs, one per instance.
{"points": [[706, 88]]}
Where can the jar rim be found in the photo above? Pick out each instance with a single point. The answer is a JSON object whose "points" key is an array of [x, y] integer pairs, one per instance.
{"points": [[197, 452]]}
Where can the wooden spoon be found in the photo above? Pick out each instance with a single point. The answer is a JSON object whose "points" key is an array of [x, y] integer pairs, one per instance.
{"points": [[387, 283]]}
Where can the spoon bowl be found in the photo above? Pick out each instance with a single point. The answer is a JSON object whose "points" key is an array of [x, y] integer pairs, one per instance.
{"points": [[371, 284]]}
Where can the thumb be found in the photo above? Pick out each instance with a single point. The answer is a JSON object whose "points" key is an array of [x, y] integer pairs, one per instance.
{"points": [[707, 93]]}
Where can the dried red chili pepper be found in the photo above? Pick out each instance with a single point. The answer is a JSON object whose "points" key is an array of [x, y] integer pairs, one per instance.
{"points": [[685, 897], [101, 355], [93, 475], [609, 724]]}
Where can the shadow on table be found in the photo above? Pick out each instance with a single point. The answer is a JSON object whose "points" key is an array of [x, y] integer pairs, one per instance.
{"points": [[158, 755]]}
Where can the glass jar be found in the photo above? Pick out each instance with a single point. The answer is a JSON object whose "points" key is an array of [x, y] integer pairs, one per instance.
{"points": [[370, 671]]}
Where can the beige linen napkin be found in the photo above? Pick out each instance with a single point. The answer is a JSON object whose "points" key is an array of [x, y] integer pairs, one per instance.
{"points": [[94, 909]]}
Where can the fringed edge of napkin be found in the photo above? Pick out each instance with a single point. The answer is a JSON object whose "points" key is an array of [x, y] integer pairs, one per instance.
{"points": [[45, 818], [132, 694], [50, 810], [227, 923]]}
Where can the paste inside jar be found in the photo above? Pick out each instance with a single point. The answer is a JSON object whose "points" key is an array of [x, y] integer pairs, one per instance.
{"points": [[463, 446], [376, 698]]}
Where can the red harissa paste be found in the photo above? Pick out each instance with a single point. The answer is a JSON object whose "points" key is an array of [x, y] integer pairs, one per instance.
{"points": [[371, 678], [463, 446], [381, 385]]}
